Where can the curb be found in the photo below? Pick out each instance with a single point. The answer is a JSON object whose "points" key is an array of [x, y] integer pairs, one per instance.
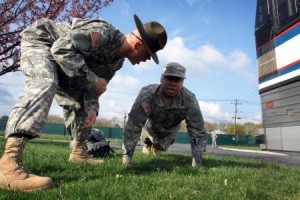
{"points": [[252, 151]]}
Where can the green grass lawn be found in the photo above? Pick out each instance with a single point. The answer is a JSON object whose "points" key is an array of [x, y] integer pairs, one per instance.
{"points": [[168, 176]]}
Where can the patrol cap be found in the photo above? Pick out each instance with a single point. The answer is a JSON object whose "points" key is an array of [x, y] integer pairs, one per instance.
{"points": [[153, 35], [174, 69]]}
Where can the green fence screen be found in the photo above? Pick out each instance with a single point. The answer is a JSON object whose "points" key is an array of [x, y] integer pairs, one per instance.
{"points": [[182, 137]]}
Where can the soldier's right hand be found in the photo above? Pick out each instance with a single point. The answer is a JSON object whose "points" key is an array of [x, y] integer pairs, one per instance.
{"points": [[127, 161], [196, 162], [100, 87]]}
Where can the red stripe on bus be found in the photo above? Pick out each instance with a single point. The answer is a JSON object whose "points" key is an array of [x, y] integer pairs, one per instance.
{"points": [[287, 66]]}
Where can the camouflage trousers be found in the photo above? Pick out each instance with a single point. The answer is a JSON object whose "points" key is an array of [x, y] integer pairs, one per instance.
{"points": [[30, 112], [160, 143], [74, 121]]}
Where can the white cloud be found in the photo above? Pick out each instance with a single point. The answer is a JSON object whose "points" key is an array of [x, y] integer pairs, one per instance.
{"points": [[125, 8], [175, 51], [144, 66], [206, 59], [214, 112], [190, 2], [125, 81], [210, 55], [119, 96], [239, 61]]}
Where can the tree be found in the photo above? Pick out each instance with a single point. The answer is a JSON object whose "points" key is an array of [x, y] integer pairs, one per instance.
{"points": [[252, 128], [222, 126], [104, 122], [209, 126], [239, 129], [55, 119], [15, 15]]}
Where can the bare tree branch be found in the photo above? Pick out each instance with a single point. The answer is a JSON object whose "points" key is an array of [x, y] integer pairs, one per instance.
{"points": [[15, 15]]}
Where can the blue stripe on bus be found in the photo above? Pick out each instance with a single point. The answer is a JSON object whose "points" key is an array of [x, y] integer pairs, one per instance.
{"points": [[282, 72], [288, 35]]}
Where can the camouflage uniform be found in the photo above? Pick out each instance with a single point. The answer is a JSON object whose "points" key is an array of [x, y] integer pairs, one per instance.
{"points": [[63, 61], [161, 120]]}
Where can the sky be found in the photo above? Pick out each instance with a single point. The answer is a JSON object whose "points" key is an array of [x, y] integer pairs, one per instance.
{"points": [[213, 39]]}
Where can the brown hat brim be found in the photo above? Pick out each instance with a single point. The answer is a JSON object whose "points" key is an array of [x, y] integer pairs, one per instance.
{"points": [[145, 37]]}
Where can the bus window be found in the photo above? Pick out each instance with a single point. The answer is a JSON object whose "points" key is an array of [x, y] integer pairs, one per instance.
{"points": [[283, 11], [262, 13], [296, 6]]}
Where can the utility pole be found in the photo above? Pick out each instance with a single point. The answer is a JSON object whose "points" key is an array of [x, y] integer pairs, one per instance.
{"points": [[124, 122], [236, 103]]}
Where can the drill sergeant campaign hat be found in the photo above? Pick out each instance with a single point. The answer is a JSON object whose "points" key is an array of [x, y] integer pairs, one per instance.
{"points": [[153, 35], [174, 69]]}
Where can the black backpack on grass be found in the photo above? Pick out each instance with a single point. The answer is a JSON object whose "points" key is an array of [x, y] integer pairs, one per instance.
{"points": [[97, 146]]}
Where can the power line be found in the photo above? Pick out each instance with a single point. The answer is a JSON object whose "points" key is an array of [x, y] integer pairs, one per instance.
{"points": [[250, 102], [256, 114], [218, 117], [214, 99], [252, 93]]}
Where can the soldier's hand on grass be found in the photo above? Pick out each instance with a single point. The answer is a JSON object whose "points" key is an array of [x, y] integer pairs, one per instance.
{"points": [[127, 161], [100, 87], [196, 162]]}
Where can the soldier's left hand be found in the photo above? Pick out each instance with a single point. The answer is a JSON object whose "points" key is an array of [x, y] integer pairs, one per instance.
{"points": [[100, 87], [90, 119]]}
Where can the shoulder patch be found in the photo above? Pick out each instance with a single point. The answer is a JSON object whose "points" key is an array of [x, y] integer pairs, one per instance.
{"points": [[95, 39], [146, 107]]}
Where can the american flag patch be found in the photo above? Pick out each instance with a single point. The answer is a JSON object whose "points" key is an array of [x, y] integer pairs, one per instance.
{"points": [[145, 107], [95, 38]]}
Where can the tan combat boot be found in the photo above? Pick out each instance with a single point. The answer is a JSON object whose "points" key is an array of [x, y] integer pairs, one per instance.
{"points": [[13, 174], [146, 149], [79, 154], [154, 150]]}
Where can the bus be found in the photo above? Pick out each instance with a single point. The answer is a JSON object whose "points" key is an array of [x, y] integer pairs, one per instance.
{"points": [[277, 39]]}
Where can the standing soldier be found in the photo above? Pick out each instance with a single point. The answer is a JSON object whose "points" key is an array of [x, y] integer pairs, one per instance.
{"points": [[73, 62], [160, 108], [214, 139]]}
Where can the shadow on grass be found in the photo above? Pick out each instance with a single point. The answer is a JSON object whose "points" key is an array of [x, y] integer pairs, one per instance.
{"points": [[50, 142], [171, 162], [234, 161]]}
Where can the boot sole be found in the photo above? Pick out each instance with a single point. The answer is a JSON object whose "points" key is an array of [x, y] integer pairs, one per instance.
{"points": [[30, 190]]}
